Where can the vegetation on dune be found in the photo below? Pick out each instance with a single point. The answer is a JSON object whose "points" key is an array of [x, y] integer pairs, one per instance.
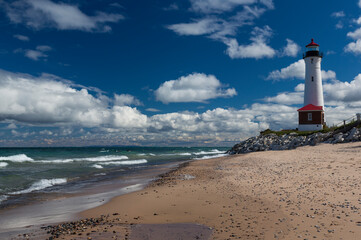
{"points": [[325, 129]]}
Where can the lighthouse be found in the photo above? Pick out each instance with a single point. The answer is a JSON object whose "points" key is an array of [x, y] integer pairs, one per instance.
{"points": [[311, 116]]}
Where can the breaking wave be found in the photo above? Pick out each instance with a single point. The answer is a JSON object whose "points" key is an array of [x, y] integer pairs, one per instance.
{"points": [[17, 158], [145, 154], [177, 154], [102, 158], [56, 161], [3, 198], [130, 162], [3, 164], [97, 166], [212, 156], [91, 159], [214, 151], [41, 184]]}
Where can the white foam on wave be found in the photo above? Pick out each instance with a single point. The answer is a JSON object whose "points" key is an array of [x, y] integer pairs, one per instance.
{"points": [[212, 156], [41, 184], [103, 158], [91, 159], [97, 166], [130, 162], [177, 154], [100, 174], [3, 198], [185, 154], [17, 158], [3, 164], [214, 151], [144, 154], [56, 161]]}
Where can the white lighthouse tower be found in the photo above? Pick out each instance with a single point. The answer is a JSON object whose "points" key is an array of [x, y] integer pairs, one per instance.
{"points": [[311, 116]]}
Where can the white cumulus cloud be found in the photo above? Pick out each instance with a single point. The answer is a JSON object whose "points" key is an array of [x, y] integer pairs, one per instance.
{"points": [[219, 6], [344, 92], [128, 117], [287, 98], [257, 49], [230, 123], [210, 6], [126, 100], [48, 100], [196, 87], [297, 70], [22, 37], [336, 93], [223, 28], [355, 34], [197, 27], [36, 54], [291, 49], [81, 115], [354, 47], [339, 14], [39, 14]]}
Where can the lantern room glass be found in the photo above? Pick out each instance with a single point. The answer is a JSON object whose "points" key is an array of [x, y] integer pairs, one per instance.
{"points": [[312, 48]]}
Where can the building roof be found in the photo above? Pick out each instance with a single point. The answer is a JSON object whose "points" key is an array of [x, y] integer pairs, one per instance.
{"points": [[311, 107], [312, 44]]}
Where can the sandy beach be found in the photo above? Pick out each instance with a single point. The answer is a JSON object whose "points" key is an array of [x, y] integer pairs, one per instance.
{"points": [[312, 192]]}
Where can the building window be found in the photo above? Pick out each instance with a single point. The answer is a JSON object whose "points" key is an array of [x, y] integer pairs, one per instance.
{"points": [[309, 116], [312, 78], [311, 60]]}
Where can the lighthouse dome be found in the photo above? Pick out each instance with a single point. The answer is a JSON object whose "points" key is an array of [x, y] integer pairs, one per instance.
{"points": [[312, 44], [312, 50]]}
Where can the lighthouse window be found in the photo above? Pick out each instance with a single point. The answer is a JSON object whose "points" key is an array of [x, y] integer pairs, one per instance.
{"points": [[311, 60], [312, 78], [309, 116]]}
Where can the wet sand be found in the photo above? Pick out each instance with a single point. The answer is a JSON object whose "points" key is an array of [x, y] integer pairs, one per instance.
{"points": [[306, 193], [55, 208]]}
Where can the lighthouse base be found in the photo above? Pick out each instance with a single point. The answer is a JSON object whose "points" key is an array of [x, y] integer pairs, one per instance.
{"points": [[310, 127]]}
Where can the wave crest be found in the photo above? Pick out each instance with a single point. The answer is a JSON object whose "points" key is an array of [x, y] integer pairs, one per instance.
{"points": [[3, 164], [90, 159], [103, 158], [17, 158], [130, 162], [41, 184], [97, 166], [213, 151], [213, 156]]}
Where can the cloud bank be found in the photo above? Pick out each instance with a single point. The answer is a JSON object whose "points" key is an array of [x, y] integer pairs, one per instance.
{"points": [[48, 100], [52, 111]]}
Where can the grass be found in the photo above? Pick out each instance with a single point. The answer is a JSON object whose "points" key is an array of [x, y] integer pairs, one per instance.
{"points": [[301, 133], [325, 129]]}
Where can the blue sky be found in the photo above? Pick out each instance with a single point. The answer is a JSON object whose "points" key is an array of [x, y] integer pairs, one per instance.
{"points": [[169, 73]]}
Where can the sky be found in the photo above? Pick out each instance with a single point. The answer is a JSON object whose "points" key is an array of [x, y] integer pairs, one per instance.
{"points": [[169, 72]]}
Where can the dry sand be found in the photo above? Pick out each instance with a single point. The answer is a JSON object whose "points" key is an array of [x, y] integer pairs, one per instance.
{"points": [[306, 193]]}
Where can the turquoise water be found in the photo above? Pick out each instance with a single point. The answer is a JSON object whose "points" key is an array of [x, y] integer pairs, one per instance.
{"points": [[31, 171]]}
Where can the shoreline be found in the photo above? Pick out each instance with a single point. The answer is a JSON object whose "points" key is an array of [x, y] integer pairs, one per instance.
{"points": [[55, 210], [312, 192]]}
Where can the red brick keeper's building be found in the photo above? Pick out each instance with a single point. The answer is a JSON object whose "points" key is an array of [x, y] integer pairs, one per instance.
{"points": [[311, 115]]}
